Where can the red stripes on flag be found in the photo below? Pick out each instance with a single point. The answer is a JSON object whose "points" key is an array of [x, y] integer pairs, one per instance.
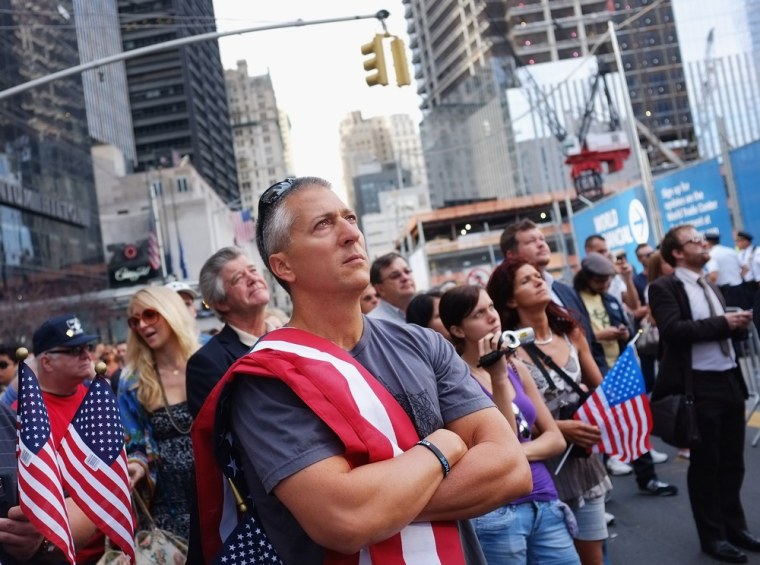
{"points": [[620, 408], [243, 227], [94, 465], [40, 493]]}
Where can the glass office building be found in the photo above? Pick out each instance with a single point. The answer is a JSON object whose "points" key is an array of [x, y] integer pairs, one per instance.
{"points": [[50, 242]]}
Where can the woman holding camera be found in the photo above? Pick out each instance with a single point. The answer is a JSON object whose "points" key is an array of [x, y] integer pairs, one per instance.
{"points": [[561, 365], [536, 528]]}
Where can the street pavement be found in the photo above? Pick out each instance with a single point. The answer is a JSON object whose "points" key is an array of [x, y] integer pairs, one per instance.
{"points": [[652, 531]]}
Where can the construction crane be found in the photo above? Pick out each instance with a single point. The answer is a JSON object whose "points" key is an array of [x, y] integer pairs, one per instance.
{"points": [[587, 153]]}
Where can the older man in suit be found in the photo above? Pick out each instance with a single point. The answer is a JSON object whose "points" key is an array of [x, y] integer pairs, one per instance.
{"points": [[695, 337], [238, 293]]}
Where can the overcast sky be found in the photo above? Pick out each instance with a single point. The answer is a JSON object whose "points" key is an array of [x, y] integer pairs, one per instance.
{"points": [[317, 71]]}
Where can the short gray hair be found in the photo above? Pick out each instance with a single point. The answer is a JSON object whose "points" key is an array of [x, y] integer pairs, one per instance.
{"points": [[275, 221], [210, 281]]}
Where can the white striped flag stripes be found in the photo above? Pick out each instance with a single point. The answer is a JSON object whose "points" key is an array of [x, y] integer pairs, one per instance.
{"points": [[40, 490], [620, 408], [93, 464]]}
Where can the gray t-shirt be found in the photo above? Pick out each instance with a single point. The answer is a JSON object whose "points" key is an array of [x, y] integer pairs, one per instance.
{"points": [[280, 435]]}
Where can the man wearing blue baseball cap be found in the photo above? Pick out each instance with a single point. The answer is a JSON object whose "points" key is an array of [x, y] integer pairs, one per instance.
{"points": [[62, 349]]}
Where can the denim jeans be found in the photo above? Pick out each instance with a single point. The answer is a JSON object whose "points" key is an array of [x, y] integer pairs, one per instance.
{"points": [[531, 532]]}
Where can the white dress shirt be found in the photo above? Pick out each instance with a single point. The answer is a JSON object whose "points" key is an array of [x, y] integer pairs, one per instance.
{"points": [[705, 355]]}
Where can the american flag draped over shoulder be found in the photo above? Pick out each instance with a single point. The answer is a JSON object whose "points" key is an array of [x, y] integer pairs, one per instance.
{"points": [[369, 421], [40, 490], [93, 464], [620, 408]]}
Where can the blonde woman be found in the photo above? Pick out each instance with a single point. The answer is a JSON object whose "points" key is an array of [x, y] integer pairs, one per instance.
{"points": [[153, 404]]}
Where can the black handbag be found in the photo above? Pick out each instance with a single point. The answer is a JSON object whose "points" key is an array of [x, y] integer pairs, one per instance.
{"points": [[675, 418]]}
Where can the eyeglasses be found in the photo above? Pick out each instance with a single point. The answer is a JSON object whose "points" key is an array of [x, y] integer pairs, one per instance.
{"points": [[73, 351], [698, 239], [276, 191], [148, 316], [4, 365], [396, 275]]}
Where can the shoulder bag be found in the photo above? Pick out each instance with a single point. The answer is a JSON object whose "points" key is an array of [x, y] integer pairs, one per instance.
{"points": [[675, 417]]}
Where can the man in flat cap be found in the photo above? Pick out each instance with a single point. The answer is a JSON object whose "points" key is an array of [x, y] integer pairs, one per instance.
{"points": [[61, 347], [613, 330]]}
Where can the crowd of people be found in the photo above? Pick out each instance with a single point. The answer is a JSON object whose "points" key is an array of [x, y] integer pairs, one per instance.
{"points": [[387, 423]]}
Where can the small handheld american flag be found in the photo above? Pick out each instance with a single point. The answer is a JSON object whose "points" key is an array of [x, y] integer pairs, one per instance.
{"points": [[40, 490], [93, 464], [620, 408]]}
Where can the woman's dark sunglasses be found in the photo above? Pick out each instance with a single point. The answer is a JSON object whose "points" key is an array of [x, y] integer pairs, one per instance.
{"points": [[148, 316]]}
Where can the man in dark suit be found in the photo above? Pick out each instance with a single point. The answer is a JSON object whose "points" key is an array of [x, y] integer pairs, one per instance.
{"points": [[238, 293], [695, 337], [524, 238]]}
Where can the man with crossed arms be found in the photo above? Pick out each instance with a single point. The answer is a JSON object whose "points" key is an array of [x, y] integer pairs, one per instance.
{"points": [[316, 501]]}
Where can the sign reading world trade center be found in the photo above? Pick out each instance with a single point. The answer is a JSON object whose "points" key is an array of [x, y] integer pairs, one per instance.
{"points": [[695, 195], [622, 220]]}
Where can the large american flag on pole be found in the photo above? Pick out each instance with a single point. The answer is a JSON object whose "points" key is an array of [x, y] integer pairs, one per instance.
{"points": [[93, 464], [243, 226], [40, 489], [620, 408]]}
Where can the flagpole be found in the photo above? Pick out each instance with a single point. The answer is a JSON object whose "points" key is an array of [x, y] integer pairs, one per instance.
{"points": [[635, 338], [564, 458], [570, 446], [157, 227]]}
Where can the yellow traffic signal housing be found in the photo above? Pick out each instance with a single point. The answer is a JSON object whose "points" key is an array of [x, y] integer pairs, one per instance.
{"points": [[377, 62], [400, 62]]}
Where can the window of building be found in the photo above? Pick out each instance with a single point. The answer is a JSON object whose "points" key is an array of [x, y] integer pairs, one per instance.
{"points": [[181, 184]]}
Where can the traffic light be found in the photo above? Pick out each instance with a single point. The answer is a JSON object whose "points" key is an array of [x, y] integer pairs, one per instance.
{"points": [[377, 62], [400, 63]]}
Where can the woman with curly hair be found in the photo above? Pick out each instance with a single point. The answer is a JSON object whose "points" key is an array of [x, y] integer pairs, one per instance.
{"points": [[153, 404]]}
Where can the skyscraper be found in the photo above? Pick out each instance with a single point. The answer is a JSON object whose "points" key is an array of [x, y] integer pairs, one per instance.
{"points": [[463, 56], [460, 57], [105, 88], [541, 31], [177, 96], [261, 134], [50, 241], [387, 142]]}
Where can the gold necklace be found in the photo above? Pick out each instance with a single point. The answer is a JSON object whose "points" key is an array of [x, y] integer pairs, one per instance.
{"points": [[174, 424]]}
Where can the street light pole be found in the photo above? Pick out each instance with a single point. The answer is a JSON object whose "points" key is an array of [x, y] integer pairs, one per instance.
{"points": [[644, 167], [124, 55]]}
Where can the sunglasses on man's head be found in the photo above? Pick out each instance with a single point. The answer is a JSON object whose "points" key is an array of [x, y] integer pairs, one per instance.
{"points": [[276, 191], [149, 317]]}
